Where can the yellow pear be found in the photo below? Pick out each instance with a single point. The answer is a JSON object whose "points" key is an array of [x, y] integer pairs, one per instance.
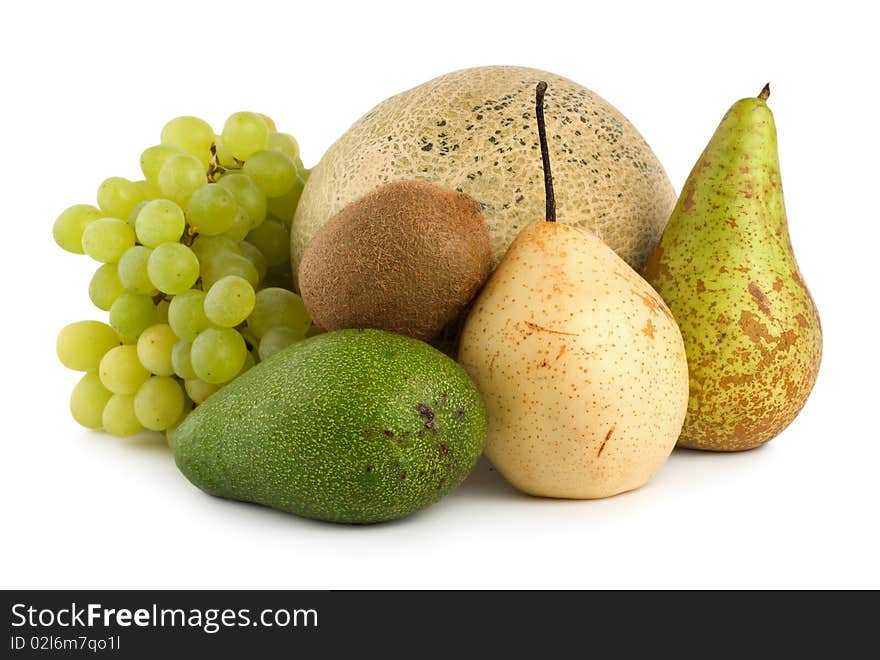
{"points": [[578, 360]]}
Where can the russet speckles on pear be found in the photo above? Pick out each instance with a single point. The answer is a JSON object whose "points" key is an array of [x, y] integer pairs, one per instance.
{"points": [[585, 390], [726, 268]]}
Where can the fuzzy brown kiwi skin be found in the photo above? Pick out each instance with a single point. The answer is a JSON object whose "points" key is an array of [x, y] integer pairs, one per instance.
{"points": [[406, 257]]}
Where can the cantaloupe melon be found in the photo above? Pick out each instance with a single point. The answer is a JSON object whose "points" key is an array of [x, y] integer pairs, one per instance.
{"points": [[474, 131]]}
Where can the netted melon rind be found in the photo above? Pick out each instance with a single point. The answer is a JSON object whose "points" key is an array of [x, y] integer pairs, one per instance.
{"points": [[474, 131]]}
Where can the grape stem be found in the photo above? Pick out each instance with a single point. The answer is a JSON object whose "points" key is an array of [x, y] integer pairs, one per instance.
{"points": [[215, 169]]}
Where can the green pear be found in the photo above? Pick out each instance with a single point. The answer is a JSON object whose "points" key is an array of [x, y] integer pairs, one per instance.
{"points": [[579, 362], [726, 268]]}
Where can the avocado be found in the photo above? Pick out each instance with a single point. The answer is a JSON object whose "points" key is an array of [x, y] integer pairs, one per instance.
{"points": [[352, 426]]}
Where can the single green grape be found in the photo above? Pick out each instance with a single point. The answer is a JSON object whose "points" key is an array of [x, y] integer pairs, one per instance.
{"points": [[158, 403], [87, 401], [119, 418], [132, 270], [284, 207], [81, 345], [273, 240], [155, 347], [181, 360], [106, 239], [285, 143], [228, 263], [302, 169], [160, 221], [118, 196], [70, 225], [218, 354], [180, 177], [173, 268], [191, 134], [105, 287], [199, 390], [121, 370], [276, 307], [153, 158], [240, 227], [206, 247], [276, 339], [131, 314], [212, 210], [247, 194], [186, 315], [274, 172], [250, 252], [229, 301], [244, 133]]}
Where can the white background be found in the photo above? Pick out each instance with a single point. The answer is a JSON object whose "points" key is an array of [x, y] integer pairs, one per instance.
{"points": [[86, 86]]}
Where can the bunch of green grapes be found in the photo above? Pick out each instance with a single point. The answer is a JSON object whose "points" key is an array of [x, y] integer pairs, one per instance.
{"points": [[195, 273]]}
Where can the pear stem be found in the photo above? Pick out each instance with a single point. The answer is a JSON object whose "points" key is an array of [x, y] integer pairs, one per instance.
{"points": [[765, 93], [545, 154]]}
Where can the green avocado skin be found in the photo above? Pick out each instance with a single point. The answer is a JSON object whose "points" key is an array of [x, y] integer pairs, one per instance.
{"points": [[352, 426]]}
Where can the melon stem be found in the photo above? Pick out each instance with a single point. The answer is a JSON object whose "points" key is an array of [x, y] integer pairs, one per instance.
{"points": [[545, 154]]}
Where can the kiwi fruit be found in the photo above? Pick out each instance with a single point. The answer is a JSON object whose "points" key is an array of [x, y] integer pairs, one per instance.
{"points": [[406, 257]]}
